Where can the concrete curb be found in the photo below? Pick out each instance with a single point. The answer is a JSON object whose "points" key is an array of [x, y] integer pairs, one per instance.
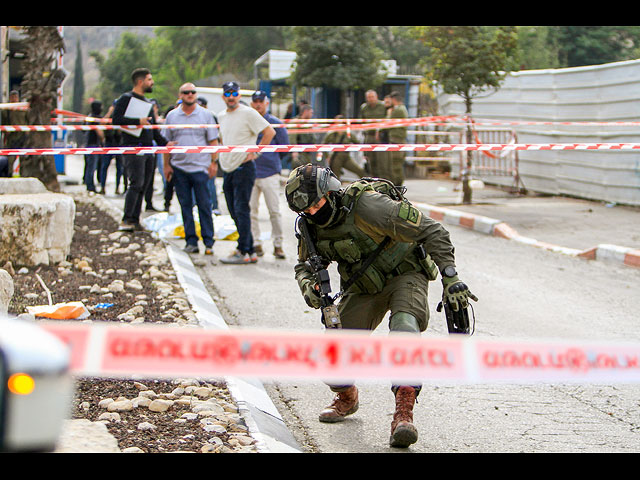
{"points": [[258, 411], [498, 228], [263, 420]]}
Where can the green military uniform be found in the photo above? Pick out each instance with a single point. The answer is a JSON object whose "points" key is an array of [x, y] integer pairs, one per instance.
{"points": [[376, 159], [339, 160], [398, 135], [303, 157], [349, 226], [398, 279]]}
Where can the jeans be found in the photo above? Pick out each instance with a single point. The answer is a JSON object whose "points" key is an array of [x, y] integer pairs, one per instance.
{"points": [[138, 169], [237, 186], [214, 195], [187, 185], [103, 167], [90, 168]]}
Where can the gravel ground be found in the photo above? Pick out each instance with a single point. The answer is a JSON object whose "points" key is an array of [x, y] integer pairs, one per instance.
{"points": [[189, 415]]}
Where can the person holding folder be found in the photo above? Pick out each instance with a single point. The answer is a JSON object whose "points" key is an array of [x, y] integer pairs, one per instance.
{"points": [[133, 108]]}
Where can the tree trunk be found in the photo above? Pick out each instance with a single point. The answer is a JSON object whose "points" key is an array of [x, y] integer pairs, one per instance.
{"points": [[466, 172], [40, 87]]}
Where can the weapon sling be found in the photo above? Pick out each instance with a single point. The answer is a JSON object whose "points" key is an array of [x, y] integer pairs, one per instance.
{"points": [[329, 310]]}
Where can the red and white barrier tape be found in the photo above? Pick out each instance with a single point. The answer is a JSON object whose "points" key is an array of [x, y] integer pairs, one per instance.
{"points": [[105, 350], [399, 147], [306, 127]]}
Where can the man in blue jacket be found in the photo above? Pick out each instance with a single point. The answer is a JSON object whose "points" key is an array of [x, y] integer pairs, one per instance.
{"points": [[268, 166]]}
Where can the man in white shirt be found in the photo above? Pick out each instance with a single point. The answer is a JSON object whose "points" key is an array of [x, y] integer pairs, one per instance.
{"points": [[240, 125], [191, 171]]}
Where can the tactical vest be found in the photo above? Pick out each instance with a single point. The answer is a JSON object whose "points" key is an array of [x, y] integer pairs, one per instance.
{"points": [[350, 247]]}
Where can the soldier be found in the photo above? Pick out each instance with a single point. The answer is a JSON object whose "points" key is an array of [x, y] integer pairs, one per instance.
{"points": [[347, 226], [373, 108], [397, 135], [302, 158], [339, 160]]}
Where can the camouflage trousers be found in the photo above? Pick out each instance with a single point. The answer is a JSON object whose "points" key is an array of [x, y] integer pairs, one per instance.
{"points": [[396, 165], [406, 293], [343, 160]]}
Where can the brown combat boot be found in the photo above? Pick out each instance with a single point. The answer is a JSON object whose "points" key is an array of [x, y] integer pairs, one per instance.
{"points": [[345, 403], [403, 432]]}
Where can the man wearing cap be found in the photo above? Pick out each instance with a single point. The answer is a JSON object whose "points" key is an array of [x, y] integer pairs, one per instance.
{"points": [[268, 166], [192, 171], [240, 125]]}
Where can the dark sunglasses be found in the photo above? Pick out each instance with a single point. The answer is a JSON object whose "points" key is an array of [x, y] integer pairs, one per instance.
{"points": [[188, 92], [228, 94]]}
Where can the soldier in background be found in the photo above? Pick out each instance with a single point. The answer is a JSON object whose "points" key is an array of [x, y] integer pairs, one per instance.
{"points": [[302, 158], [339, 160], [397, 135], [373, 108]]}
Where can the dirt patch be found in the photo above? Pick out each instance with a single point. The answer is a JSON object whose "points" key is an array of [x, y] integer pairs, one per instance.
{"points": [[90, 264]]}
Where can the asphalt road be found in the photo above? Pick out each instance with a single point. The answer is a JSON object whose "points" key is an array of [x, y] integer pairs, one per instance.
{"points": [[525, 293]]}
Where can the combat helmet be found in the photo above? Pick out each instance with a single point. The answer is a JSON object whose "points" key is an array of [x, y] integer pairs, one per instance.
{"points": [[307, 184]]}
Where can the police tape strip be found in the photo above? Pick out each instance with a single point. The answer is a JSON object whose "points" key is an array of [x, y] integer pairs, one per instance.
{"points": [[396, 147], [103, 350], [306, 126]]}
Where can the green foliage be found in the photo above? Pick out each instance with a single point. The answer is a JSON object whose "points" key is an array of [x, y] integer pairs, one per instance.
{"points": [[576, 46], [336, 57], [469, 60], [538, 48], [398, 44], [594, 45], [115, 71], [180, 54]]}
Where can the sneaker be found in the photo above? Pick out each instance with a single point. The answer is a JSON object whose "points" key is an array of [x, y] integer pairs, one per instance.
{"points": [[208, 251], [191, 249], [258, 249], [126, 227], [151, 208], [279, 253], [253, 257], [238, 259]]}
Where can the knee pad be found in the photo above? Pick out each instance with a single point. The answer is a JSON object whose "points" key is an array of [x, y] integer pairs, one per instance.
{"points": [[403, 322]]}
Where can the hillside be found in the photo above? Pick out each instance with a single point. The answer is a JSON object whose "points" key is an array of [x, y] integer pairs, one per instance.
{"points": [[99, 38]]}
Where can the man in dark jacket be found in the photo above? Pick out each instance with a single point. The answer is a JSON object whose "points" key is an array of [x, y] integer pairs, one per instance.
{"points": [[133, 108]]}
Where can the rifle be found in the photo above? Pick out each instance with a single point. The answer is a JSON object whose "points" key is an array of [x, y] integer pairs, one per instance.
{"points": [[330, 316], [457, 321]]}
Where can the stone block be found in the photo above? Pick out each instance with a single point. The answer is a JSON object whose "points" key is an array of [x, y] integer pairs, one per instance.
{"points": [[36, 228], [21, 185], [6, 290]]}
